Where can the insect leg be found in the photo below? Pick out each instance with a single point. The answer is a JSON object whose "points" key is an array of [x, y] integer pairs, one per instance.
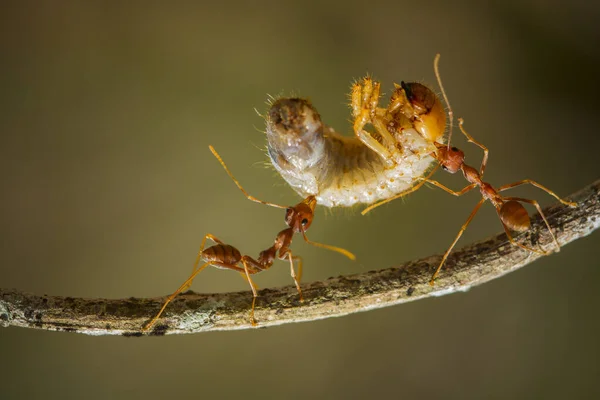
{"points": [[414, 188], [183, 287], [462, 230], [364, 99], [470, 139], [248, 196], [539, 186], [245, 261]]}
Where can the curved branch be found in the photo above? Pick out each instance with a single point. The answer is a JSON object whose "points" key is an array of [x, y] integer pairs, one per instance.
{"points": [[191, 312]]}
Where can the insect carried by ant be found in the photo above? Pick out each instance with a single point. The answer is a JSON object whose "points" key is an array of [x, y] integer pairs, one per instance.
{"points": [[298, 219], [342, 171], [421, 106]]}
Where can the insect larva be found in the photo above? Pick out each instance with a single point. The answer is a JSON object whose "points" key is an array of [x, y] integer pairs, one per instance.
{"points": [[343, 171]]}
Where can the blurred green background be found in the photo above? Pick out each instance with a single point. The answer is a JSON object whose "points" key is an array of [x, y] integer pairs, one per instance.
{"points": [[108, 186]]}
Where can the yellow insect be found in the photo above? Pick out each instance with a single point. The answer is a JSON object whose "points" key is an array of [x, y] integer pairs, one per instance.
{"points": [[343, 171]]}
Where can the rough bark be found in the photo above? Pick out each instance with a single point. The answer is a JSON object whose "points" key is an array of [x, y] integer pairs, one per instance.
{"points": [[192, 312]]}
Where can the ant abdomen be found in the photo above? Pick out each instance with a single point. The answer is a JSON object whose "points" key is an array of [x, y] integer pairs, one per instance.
{"points": [[223, 253], [515, 216]]}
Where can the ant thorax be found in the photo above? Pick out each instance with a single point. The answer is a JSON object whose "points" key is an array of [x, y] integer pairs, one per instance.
{"points": [[341, 171]]}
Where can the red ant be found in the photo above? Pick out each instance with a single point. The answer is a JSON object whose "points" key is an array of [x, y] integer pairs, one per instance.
{"points": [[221, 256], [225, 256], [298, 219], [422, 106]]}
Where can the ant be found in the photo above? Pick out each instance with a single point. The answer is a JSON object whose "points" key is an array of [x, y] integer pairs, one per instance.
{"points": [[423, 107], [222, 256], [298, 219]]}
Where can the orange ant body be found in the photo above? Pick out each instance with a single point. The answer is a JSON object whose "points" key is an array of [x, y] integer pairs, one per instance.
{"points": [[221, 256], [298, 219], [225, 256], [423, 107]]}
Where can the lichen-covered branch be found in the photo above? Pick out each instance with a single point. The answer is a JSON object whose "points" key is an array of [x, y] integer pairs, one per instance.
{"points": [[191, 312]]}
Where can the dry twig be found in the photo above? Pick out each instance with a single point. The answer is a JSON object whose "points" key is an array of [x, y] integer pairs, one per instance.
{"points": [[191, 312]]}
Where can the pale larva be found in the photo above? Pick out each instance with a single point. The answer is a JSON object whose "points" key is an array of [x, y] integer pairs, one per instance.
{"points": [[343, 171]]}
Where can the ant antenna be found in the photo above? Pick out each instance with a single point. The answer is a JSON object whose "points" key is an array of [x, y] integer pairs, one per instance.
{"points": [[212, 149], [436, 62], [329, 247]]}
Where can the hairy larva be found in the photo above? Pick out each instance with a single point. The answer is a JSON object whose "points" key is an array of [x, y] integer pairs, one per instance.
{"points": [[343, 171]]}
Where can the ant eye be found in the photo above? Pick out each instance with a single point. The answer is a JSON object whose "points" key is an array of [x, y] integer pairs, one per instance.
{"points": [[304, 222], [454, 149]]}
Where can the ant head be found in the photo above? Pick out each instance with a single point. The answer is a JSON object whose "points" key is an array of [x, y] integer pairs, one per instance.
{"points": [[300, 217], [427, 110], [451, 159], [515, 216]]}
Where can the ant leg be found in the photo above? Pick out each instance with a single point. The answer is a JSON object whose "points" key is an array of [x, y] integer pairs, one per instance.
{"points": [[243, 275], [414, 188], [539, 209], [470, 139], [245, 259], [329, 247], [447, 189], [537, 185], [299, 259], [183, 287], [462, 230], [252, 198], [211, 237], [294, 277], [202, 244], [364, 99]]}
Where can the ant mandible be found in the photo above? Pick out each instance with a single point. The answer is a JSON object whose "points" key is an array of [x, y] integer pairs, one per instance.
{"points": [[423, 107]]}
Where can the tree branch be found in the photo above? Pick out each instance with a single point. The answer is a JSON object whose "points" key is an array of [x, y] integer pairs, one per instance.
{"points": [[191, 312]]}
